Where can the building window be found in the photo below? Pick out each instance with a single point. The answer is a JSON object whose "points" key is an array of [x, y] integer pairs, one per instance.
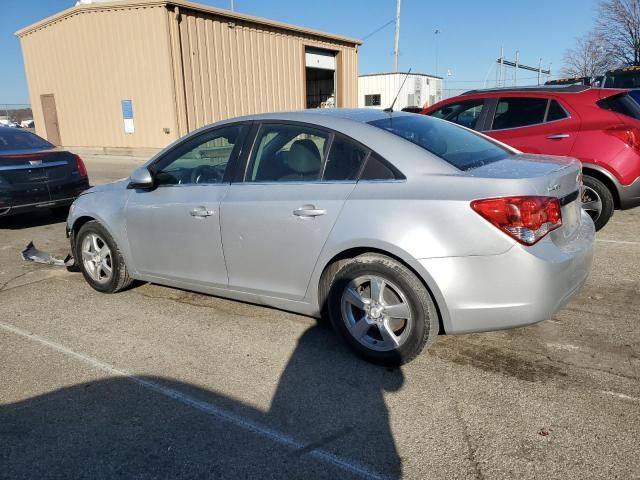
{"points": [[372, 100]]}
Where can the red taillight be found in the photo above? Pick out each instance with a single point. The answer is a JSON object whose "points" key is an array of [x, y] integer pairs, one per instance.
{"points": [[526, 219], [628, 134], [82, 169]]}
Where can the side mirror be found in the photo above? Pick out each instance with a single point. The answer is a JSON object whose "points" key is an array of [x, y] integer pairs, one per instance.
{"points": [[141, 178]]}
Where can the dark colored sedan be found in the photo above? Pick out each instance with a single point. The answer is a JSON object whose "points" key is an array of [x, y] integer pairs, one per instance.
{"points": [[35, 174]]}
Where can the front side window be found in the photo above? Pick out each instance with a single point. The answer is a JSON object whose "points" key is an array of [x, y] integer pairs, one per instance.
{"points": [[463, 113], [459, 147], [372, 100], [201, 160], [519, 112], [287, 153]]}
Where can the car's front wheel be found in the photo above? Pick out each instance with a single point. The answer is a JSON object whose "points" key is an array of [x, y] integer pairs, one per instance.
{"points": [[382, 309], [100, 260]]}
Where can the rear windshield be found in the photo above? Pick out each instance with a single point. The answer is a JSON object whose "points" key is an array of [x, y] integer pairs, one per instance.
{"points": [[459, 147], [13, 139], [623, 103]]}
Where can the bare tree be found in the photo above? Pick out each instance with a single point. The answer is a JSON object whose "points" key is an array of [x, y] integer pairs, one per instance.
{"points": [[618, 25], [588, 58]]}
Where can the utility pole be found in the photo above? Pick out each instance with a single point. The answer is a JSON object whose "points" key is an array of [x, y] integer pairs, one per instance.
{"points": [[539, 69], [436, 33], [233, 8], [396, 51], [501, 61], [515, 71]]}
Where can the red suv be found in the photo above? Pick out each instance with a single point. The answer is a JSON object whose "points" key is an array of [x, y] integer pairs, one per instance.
{"points": [[600, 127]]}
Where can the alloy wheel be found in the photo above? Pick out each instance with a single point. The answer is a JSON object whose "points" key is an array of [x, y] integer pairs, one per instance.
{"points": [[591, 202], [376, 313], [97, 258]]}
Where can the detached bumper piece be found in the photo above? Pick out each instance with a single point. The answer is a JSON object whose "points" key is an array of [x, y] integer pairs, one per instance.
{"points": [[32, 254]]}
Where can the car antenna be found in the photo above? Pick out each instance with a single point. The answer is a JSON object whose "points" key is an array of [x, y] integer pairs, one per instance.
{"points": [[390, 109]]}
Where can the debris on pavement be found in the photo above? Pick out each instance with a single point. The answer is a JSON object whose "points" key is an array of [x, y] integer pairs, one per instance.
{"points": [[32, 254]]}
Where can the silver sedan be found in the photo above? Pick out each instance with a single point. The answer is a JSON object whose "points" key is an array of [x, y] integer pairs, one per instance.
{"points": [[395, 226]]}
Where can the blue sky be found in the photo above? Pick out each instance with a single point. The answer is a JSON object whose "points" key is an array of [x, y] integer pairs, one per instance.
{"points": [[472, 33]]}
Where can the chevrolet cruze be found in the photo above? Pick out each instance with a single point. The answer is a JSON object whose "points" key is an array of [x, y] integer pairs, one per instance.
{"points": [[394, 225]]}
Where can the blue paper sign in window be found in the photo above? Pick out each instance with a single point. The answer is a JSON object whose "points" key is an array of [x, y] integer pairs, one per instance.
{"points": [[127, 116]]}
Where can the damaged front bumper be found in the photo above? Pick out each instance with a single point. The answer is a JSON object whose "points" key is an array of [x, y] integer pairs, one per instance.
{"points": [[33, 254]]}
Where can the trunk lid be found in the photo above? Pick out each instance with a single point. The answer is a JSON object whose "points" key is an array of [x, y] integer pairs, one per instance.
{"points": [[546, 175], [30, 176]]}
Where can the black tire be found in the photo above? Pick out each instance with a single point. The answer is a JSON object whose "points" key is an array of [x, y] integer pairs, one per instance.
{"points": [[606, 200], [424, 318], [120, 278]]}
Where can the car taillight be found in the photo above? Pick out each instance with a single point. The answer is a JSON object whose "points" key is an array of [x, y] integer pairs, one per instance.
{"points": [[82, 169], [629, 135], [526, 219]]}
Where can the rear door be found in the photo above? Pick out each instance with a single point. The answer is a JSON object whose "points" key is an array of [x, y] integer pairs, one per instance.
{"points": [[276, 220], [542, 125]]}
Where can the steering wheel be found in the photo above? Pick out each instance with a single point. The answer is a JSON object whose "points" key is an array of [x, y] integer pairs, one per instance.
{"points": [[206, 174]]}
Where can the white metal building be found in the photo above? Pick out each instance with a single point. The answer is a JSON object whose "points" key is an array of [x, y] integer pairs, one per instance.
{"points": [[377, 90]]}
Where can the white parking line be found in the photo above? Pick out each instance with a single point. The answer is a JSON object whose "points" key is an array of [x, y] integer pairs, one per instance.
{"points": [[345, 464], [622, 242], [621, 395]]}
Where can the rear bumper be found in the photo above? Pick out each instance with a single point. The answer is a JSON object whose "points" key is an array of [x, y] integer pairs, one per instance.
{"points": [[629, 195], [522, 286], [14, 201], [9, 210]]}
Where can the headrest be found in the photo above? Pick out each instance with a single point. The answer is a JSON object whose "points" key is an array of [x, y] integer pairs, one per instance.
{"points": [[304, 157]]}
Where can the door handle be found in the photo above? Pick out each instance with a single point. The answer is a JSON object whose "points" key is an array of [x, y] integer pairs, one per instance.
{"points": [[201, 212], [558, 136], [309, 211]]}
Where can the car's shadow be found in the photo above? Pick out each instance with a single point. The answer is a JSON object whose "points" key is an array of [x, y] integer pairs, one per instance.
{"points": [[33, 219], [327, 419]]}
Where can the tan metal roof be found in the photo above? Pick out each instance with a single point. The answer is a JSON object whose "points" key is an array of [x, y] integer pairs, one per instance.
{"points": [[123, 4]]}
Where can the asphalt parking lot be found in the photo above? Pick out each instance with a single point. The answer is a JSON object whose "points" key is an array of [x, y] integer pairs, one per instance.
{"points": [[162, 383]]}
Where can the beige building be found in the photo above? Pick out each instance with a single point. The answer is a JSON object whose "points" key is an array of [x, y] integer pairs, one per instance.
{"points": [[142, 73]]}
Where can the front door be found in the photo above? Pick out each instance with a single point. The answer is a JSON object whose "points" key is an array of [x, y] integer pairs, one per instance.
{"points": [[174, 229], [276, 222], [50, 115]]}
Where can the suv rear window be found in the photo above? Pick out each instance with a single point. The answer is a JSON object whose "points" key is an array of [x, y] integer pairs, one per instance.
{"points": [[622, 103], [455, 145]]}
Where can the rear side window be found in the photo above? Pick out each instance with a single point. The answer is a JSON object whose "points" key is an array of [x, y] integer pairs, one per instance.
{"points": [[377, 169], [287, 153], [11, 139], [556, 112], [344, 161], [622, 103], [459, 147], [519, 112]]}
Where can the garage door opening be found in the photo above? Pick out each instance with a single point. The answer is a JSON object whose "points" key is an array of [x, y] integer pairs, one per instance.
{"points": [[320, 75]]}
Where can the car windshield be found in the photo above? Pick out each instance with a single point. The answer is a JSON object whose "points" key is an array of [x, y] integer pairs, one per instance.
{"points": [[11, 139], [623, 80], [459, 147]]}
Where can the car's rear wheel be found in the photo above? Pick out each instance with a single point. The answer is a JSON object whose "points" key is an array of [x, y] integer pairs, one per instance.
{"points": [[100, 260], [382, 309], [597, 201]]}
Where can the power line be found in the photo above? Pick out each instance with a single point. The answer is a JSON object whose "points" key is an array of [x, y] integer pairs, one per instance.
{"points": [[378, 29]]}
